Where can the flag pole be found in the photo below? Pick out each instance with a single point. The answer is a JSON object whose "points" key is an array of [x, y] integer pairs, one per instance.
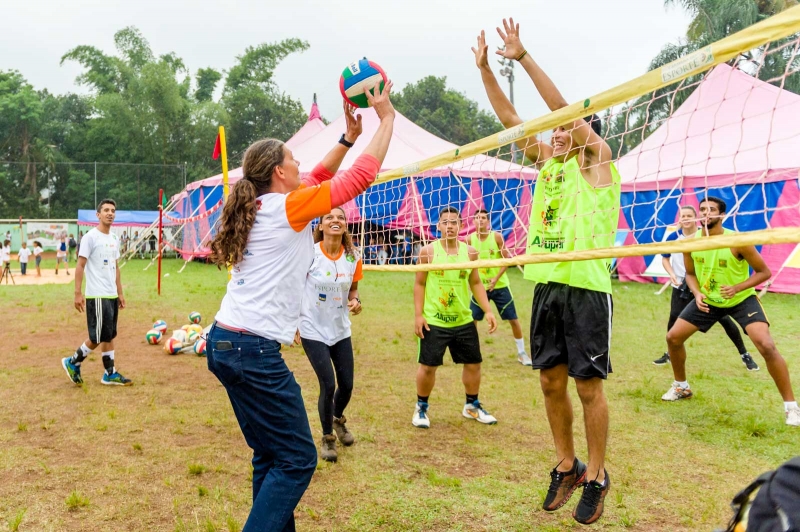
{"points": [[160, 232], [224, 153]]}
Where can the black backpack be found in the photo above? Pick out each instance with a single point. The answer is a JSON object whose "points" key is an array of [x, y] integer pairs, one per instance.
{"points": [[776, 506], [72, 243]]}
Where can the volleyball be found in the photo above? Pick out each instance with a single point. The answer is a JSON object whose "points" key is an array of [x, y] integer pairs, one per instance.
{"points": [[196, 328], [192, 336], [358, 76], [195, 317], [173, 346], [180, 335], [160, 326], [200, 347], [153, 336]]}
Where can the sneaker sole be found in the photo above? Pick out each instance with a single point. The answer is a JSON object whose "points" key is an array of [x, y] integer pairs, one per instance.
{"points": [[661, 363], [64, 365], [568, 496], [478, 420], [678, 399], [751, 369], [112, 383], [421, 426]]}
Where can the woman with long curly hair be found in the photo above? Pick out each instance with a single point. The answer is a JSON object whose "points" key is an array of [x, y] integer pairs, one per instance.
{"points": [[331, 294], [265, 237]]}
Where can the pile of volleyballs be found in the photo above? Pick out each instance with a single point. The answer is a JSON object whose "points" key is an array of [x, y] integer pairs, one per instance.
{"points": [[187, 339]]}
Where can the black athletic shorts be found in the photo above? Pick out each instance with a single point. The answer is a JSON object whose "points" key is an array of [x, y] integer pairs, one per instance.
{"points": [[101, 318], [571, 326], [680, 298], [463, 341], [747, 312], [503, 300]]}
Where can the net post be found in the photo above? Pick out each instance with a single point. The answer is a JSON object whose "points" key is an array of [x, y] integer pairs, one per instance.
{"points": [[160, 233]]}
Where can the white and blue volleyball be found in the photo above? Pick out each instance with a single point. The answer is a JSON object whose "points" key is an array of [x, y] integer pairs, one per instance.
{"points": [[358, 76]]}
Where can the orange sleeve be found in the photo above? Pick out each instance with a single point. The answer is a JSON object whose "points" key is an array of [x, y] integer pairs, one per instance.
{"points": [[358, 275], [307, 203]]}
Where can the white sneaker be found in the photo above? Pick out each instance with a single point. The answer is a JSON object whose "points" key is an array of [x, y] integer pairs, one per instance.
{"points": [[524, 359], [421, 419], [793, 416], [675, 393], [475, 411]]}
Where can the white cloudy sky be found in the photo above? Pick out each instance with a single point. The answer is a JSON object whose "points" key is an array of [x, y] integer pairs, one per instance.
{"points": [[585, 45]]}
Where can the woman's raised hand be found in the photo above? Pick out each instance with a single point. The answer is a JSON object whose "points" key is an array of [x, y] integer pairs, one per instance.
{"points": [[380, 101]]}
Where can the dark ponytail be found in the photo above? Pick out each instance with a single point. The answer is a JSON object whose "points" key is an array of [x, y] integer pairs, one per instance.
{"points": [[239, 213]]}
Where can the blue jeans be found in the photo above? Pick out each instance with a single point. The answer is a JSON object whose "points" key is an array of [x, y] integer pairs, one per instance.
{"points": [[269, 407]]}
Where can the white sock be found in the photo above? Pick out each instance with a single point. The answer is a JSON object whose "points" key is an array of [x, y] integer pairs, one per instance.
{"points": [[789, 404], [683, 384], [520, 345], [108, 362], [84, 349]]}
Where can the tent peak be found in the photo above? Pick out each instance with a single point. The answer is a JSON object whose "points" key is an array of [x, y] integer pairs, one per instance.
{"points": [[314, 114]]}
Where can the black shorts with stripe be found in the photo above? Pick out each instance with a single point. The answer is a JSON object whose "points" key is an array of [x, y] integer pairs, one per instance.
{"points": [[503, 300], [747, 312], [571, 326], [101, 318]]}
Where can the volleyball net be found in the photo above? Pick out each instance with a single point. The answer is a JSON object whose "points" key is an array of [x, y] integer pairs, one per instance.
{"points": [[723, 121]]}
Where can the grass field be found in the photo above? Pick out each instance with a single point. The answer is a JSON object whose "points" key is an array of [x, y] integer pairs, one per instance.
{"points": [[167, 454]]}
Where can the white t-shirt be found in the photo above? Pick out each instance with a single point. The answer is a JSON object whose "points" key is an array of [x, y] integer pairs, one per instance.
{"points": [[101, 251], [5, 254], [37, 251], [324, 316], [264, 293], [676, 259], [24, 253]]}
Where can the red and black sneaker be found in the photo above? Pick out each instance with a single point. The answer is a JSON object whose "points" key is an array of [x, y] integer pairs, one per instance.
{"points": [[590, 507], [563, 484]]}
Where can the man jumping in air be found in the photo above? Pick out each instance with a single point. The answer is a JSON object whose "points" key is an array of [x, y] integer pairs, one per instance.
{"points": [[575, 207]]}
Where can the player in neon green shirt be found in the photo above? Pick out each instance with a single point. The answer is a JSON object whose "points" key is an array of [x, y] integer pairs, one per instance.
{"points": [[443, 319], [722, 286], [575, 206], [490, 245]]}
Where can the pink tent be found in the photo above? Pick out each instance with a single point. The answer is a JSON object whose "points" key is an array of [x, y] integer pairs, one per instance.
{"points": [[410, 144], [735, 137]]}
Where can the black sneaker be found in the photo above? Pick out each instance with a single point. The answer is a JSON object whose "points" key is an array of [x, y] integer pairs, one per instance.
{"points": [[749, 363], [562, 485], [590, 507], [664, 359]]}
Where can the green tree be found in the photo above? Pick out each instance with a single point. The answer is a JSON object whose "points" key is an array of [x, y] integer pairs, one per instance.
{"points": [[445, 112], [207, 79], [253, 101]]}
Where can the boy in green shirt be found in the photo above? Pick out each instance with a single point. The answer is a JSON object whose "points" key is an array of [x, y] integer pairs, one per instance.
{"points": [[722, 286], [443, 319], [490, 245]]}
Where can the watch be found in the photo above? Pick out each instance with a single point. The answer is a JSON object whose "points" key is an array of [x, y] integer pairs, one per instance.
{"points": [[344, 142]]}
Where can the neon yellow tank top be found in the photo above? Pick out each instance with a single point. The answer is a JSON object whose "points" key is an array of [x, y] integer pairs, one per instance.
{"points": [[488, 250], [447, 292], [718, 267], [568, 214]]}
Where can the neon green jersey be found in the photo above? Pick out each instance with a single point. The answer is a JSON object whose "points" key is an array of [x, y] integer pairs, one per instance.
{"points": [[488, 249], [447, 292], [716, 268], [568, 214]]}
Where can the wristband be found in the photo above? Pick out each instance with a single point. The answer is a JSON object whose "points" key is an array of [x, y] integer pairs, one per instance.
{"points": [[344, 142], [523, 54]]}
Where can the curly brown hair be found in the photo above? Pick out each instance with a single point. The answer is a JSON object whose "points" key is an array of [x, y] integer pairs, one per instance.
{"points": [[347, 240], [239, 213]]}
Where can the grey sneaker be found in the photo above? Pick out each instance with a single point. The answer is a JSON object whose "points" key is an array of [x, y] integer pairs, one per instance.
{"points": [[327, 449], [749, 363], [344, 435]]}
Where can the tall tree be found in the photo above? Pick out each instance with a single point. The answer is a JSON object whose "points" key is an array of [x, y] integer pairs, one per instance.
{"points": [[256, 106]]}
